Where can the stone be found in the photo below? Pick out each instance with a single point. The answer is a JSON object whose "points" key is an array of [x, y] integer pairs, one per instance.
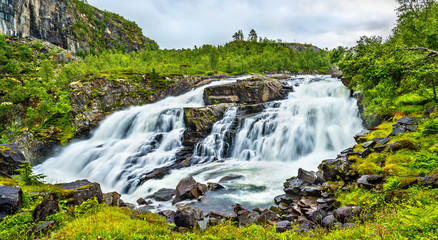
{"points": [[214, 186], [47, 207], [285, 198], [316, 215], [249, 91], [219, 215], [309, 177], [84, 190], [361, 134], [365, 153], [380, 148], [407, 121], [184, 219], [268, 216], [293, 186], [230, 178], [332, 169], [144, 209], [43, 227], [283, 226], [11, 199], [430, 181], [164, 194], [348, 213], [248, 218], [201, 120], [314, 190], [369, 144], [11, 158], [188, 188], [112, 199], [169, 215], [429, 111], [276, 210], [329, 221], [142, 201]]}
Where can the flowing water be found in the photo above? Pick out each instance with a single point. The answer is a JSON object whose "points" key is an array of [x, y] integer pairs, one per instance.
{"points": [[316, 121]]}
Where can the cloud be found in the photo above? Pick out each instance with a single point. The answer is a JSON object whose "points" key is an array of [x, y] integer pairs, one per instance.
{"points": [[325, 23]]}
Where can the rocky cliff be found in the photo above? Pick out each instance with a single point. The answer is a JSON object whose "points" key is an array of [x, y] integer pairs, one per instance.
{"points": [[71, 24]]}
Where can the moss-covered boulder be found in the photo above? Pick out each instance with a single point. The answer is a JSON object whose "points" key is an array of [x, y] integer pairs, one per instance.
{"points": [[11, 159]]}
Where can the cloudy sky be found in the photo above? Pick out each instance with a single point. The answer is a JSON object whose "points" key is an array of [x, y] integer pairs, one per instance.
{"points": [[324, 23]]}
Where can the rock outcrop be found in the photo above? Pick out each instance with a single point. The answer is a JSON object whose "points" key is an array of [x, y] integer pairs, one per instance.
{"points": [[84, 190], [11, 159], [11, 199], [73, 25]]}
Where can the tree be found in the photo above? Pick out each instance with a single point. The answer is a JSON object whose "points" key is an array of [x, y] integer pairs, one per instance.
{"points": [[238, 36], [252, 36]]}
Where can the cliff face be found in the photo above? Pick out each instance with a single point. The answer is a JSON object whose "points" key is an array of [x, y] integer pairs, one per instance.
{"points": [[71, 24]]}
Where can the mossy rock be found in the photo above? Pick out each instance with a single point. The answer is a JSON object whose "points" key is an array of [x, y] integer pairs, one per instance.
{"points": [[396, 195]]}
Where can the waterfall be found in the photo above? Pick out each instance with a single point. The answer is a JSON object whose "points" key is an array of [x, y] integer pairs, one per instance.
{"points": [[316, 121]]}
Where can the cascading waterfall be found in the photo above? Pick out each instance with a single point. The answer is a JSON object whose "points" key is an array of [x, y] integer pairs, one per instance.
{"points": [[315, 122]]}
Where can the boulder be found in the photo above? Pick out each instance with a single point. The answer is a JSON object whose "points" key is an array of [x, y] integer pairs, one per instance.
{"points": [[348, 213], [169, 215], [283, 226], [331, 169], [359, 136], [11, 158], [84, 190], [403, 144], [112, 199], [11, 199], [286, 198], [164, 194], [249, 91], [404, 124], [309, 177], [200, 120], [230, 178], [329, 221], [370, 181], [47, 207], [184, 219], [430, 181], [248, 218], [214, 186], [369, 144], [268, 216], [188, 188], [41, 228]]}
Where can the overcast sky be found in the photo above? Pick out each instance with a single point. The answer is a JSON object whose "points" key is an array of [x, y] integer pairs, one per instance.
{"points": [[324, 23]]}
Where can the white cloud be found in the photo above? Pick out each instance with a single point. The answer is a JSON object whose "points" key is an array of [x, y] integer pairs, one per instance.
{"points": [[325, 23]]}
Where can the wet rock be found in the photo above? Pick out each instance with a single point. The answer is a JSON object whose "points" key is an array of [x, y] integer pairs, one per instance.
{"points": [[248, 218], [84, 190], [184, 219], [314, 191], [112, 199], [230, 178], [345, 214], [188, 188], [164, 194], [294, 186], [35, 150], [214, 186], [11, 158], [250, 91], [369, 144], [329, 221], [285, 198], [258, 209], [200, 120], [309, 177], [144, 209], [316, 215], [370, 181], [268, 216], [359, 136], [47, 207], [283, 226], [142, 201], [430, 181], [11, 199]]}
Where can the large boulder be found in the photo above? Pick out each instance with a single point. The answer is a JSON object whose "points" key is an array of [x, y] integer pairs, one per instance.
{"points": [[164, 194], [46, 208], [11, 158], [11, 199], [112, 199], [248, 218], [188, 188], [248, 91], [184, 219], [332, 169], [348, 213], [309, 177], [84, 190]]}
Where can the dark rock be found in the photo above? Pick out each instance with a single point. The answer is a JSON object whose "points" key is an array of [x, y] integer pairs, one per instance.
{"points": [[42, 228], [11, 158], [230, 178], [46, 208], [314, 190], [369, 144], [309, 177], [429, 111], [258, 209], [384, 141], [328, 221], [169, 215], [250, 91], [289, 217], [285, 198], [304, 225], [404, 124], [294, 186], [238, 209], [144, 209], [200, 120], [184, 219], [248, 218], [345, 214], [11, 199], [365, 153], [84, 190], [164, 194], [380, 148], [407, 121], [361, 134], [316, 215], [276, 210], [141, 201], [398, 131], [268, 216], [430, 181], [283, 226], [214, 186], [332, 169], [188, 188], [219, 215], [112, 199]]}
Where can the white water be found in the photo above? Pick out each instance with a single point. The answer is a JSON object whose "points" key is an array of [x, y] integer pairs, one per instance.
{"points": [[316, 122]]}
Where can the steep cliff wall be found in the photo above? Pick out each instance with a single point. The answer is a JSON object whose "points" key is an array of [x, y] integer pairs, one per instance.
{"points": [[71, 24]]}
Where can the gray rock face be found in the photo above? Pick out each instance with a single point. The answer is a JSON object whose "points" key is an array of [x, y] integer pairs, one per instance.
{"points": [[164, 194], [184, 219], [10, 158], [309, 177], [46, 208], [11, 199], [112, 199], [84, 190], [248, 218], [34, 149], [249, 91]]}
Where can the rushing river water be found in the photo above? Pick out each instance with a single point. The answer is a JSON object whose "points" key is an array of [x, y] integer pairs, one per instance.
{"points": [[316, 121]]}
